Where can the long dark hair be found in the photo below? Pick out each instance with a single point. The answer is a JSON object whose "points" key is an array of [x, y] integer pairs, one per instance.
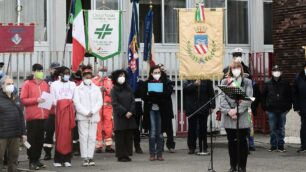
{"points": [[162, 73]]}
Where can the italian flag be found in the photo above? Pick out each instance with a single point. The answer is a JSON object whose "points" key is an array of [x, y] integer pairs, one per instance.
{"points": [[200, 14], [78, 36]]}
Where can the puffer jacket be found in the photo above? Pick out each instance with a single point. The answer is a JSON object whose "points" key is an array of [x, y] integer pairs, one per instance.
{"points": [[276, 96], [30, 92], [87, 100], [12, 122]]}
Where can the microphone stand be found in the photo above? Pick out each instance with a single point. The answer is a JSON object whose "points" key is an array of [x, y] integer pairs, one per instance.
{"points": [[211, 169]]}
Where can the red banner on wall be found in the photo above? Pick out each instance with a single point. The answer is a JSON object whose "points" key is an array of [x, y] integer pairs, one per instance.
{"points": [[16, 38]]}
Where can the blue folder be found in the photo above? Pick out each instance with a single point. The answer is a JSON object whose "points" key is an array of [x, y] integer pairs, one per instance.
{"points": [[155, 87]]}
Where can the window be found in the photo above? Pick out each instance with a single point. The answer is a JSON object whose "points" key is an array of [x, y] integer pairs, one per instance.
{"points": [[214, 3], [267, 23], [111, 4], [86, 6], [165, 19], [33, 11], [144, 7], [237, 22]]}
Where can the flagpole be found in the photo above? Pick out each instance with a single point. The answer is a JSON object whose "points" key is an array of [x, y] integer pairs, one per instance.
{"points": [[67, 30]]}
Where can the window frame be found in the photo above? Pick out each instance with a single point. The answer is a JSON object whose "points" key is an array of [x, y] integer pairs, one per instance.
{"points": [[267, 46], [249, 25], [49, 32], [187, 4], [94, 6]]}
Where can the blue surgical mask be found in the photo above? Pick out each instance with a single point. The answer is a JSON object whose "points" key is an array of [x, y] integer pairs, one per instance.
{"points": [[1, 73]]}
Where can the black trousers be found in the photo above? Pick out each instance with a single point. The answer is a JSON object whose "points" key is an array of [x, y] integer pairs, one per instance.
{"points": [[169, 131], [232, 147], [35, 133], [60, 158], [49, 133], [303, 130], [139, 112], [124, 143], [197, 128]]}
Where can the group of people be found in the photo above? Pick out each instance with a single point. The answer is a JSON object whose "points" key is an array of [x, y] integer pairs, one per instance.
{"points": [[86, 110], [89, 110]]}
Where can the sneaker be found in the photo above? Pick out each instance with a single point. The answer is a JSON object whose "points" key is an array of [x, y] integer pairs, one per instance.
{"points": [[67, 164], [128, 159], [85, 163], [57, 164], [281, 149], [99, 150], [203, 153], [109, 149], [301, 150], [272, 149], [152, 158], [191, 151], [123, 159], [47, 157], [232, 169], [171, 150], [33, 166], [160, 158], [138, 150], [41, 165], [91, 162]]}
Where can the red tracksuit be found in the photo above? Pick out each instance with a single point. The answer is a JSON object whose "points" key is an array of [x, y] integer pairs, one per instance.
{"points": [[105, 126]]}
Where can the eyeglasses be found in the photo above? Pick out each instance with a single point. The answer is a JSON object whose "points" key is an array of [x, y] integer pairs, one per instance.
{"points": [[9, 84], [156, 72]]}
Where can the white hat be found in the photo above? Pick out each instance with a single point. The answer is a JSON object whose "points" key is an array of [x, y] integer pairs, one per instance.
{"points": [[237, 50]]}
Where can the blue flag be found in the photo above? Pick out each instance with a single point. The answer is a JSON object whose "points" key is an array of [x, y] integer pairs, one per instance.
{"points": [[133, 69], [148, 36]]}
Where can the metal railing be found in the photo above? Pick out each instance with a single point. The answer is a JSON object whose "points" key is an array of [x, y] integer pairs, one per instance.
{"points": [[20, 66]]}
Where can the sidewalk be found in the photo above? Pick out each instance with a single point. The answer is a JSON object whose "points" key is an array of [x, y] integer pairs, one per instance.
{"points": [[259, 161]]}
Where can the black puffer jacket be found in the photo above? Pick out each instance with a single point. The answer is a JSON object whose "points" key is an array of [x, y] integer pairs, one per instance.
{"points": [[195, 97], [276, 96], [299, 93], [12, 123]]}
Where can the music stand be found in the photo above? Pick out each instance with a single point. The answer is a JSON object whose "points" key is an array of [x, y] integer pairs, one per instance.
{"points": [[237, 94]]}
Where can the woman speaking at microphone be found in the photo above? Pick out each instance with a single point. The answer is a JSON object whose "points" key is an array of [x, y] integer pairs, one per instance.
{"points": [[228, 108]]}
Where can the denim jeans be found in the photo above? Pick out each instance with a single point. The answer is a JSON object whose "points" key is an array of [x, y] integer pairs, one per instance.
{"points": [[156, 141], [277, 123]]}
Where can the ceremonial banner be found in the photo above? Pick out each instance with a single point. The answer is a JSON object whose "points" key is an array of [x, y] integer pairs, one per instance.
{"points": [[103, 33], [201, 44], [16, 38]]}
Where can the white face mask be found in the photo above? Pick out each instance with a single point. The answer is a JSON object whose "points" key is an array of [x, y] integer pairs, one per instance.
{"points": [[66, 77], [121, 80], [238, 59], [305, 71], [236, 72], [101, 74], [9, 88], [156, 76], [276, 74], [87, 81]]}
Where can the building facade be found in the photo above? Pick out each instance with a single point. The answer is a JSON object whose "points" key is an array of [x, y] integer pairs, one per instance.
{"points": [[247, 24]]}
